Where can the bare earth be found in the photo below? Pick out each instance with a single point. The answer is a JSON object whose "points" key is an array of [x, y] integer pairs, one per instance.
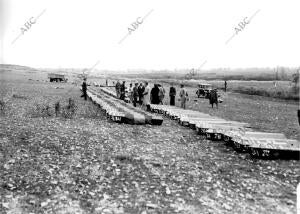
{"points": [[88, 164]]}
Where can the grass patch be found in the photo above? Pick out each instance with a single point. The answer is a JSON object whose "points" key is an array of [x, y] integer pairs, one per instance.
{"points": [[291, 93]]}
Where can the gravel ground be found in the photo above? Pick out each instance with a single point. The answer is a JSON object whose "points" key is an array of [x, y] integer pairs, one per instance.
{"points": [[87, 164]]}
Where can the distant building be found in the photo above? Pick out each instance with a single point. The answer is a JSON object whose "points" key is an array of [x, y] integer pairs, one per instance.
{"points": [[57, 77]]}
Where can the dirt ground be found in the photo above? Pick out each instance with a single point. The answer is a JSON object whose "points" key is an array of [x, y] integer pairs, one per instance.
{"points": [[87, 164]]}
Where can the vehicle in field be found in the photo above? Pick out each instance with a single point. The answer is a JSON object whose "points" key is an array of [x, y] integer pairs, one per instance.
{"points": [[204, 90], [57, 77]]}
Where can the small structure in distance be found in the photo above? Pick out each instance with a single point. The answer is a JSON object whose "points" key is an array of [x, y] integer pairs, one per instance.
{"points": [[57, 77]]}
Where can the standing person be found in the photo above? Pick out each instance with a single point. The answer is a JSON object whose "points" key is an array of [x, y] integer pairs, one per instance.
{"points": [[183, 96], [225, 85], [155, 95], [141, 89], [161, 95], [106, 82], [118, 89], [198, 92], [84, 89], [146, 96], [213, 98], [122, 91], [130, 91], [172, 94], [135, 94], [299, 116]]}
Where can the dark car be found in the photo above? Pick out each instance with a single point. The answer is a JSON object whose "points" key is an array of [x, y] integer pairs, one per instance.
{"points": [[204, 90]]}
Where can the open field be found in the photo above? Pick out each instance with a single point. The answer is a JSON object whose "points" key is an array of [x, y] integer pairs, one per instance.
{"points": [[282, 90], [87, 164]]}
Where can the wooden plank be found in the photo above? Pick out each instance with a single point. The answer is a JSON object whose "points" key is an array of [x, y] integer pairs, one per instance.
{"points": [[275, 144]]}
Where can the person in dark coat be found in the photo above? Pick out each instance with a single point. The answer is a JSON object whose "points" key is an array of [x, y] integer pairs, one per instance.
{"points": [[118, 89], [141, 90], [225, 85], [84, 89], [213, 98], [122, 89], [155, 94], [172, 94], [135, 94]]}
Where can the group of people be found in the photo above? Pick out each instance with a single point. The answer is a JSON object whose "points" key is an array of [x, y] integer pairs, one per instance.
{"points": [[120, 90], [157, 94], [135, 92], [142, 94]]}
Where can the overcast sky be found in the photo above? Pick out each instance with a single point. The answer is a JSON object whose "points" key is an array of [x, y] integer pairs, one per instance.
{"points": [[176, 34]]}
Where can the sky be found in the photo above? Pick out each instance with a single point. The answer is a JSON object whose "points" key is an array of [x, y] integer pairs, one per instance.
{"points": [[172, 34]]}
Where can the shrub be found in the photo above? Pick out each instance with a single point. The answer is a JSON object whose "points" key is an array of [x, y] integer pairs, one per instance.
{"points": [[3, 107], [69, 110], [41, 110]]}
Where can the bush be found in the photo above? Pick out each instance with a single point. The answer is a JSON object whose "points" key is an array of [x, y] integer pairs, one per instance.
{"points": [[47, 110], [69, 111], [3, 107], [41, 110]]}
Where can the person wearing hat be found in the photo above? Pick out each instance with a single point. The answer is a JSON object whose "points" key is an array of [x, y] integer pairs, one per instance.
{"points": [[141, 90], [135, 94], [146, 96], [213, 97], [122, 89], [161, 94], [172, 94], [84, 89], [183, 96], [155, 95], [130, 92], [118, 89]]}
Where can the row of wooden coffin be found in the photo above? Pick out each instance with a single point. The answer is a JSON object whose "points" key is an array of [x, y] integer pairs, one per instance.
{"points": [[122, 112], [109, 91], [240, 135], [112, 113], [113, 93]]}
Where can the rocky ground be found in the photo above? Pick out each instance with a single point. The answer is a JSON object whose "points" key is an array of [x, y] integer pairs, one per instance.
{"points": [[79, 162]]}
